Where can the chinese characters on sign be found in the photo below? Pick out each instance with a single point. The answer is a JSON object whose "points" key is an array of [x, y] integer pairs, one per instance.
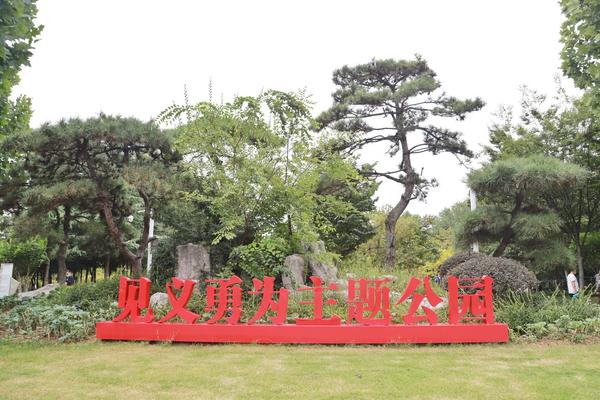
{"points": [[368, 318]]}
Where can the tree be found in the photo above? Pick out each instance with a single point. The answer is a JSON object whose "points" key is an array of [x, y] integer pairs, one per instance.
{"points": [[581, 48], [18, 32], [514, 212], [418, 242], [404, 93], [260, 176], [107, 166], [345, 205], [26, 256], [567, 130]]}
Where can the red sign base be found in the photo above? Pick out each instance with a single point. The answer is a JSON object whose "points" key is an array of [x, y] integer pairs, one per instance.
{"points": [[303, 334]]}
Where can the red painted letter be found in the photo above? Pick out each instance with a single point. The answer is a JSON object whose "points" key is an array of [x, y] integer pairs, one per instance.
{"points": [[227, 297], [178, 305], [317, 304], [479, 304], [417, 298], [134, 296], [267, 302], [368, 296]]}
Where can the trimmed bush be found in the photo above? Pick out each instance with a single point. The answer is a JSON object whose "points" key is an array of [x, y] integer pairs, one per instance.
{"points": [[455, 260], [508, 275]]}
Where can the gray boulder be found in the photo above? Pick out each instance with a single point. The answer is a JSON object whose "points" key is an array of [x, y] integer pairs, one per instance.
{"points": [[159, 299], [317, 266], [193, 260], [294, 271]]}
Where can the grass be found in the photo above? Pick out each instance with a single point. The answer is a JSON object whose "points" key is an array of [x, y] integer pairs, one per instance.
{"points": [[108, 370]]}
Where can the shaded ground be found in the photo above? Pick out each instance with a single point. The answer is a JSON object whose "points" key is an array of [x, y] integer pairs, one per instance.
{"points": [[181, 371]]}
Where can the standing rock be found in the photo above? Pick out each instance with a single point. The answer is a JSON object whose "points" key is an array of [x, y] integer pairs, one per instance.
{"points": [[193, 260], [294, 271], [14, 286], [318, 267]]}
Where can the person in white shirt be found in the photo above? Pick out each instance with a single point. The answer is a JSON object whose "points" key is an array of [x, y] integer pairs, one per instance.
{"points": [[572, 284]]}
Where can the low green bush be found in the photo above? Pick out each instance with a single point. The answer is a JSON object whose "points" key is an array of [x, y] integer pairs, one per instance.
{"points": [[67, 314], [8, 302], [64, 323], [539, 315], [88, 297], [260, 258]]}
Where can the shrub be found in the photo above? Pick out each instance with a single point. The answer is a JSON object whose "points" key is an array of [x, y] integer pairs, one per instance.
{"points": [[508, 275], [8, 302], [26, 255], [432, 268], [263, 257], [520, 309], [64, 323], [88, 297], [556, 316], [455, 260]]}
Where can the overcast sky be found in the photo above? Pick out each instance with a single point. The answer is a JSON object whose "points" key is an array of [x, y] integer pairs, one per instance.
{"points": [[134, 57]]}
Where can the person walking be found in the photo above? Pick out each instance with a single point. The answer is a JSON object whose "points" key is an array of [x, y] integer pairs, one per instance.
{"points": [[572, 284]]}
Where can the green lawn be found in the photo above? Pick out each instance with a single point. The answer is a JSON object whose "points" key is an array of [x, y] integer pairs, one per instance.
{"points": [[180, 371]]}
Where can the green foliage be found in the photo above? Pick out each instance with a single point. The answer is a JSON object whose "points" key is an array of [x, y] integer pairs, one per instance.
{"points": [[532, 176], [8, 302], [92, 297], [69, 313], [537, 315], [63, 323], [108, 165], [263, 257], [418, 241], [580, 34], [391, 102], [250, 177], [514, 211], [565, 129], [341, 213], [245, 168], [508, 274], [18, 32], [26, 255]]}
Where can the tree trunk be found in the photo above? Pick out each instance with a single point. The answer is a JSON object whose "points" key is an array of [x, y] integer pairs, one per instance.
{"points": [[107, 267], [579, 256], [390, 223], [135, 260], [132, 258], [64, 246], [47, 274], [504, 242], [508, 234]]}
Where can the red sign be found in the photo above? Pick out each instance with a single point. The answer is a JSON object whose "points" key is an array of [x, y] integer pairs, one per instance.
{"points": [[368, 319]]}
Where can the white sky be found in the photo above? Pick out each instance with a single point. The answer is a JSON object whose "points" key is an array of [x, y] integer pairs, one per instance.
{"points": [[134, 57]]}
